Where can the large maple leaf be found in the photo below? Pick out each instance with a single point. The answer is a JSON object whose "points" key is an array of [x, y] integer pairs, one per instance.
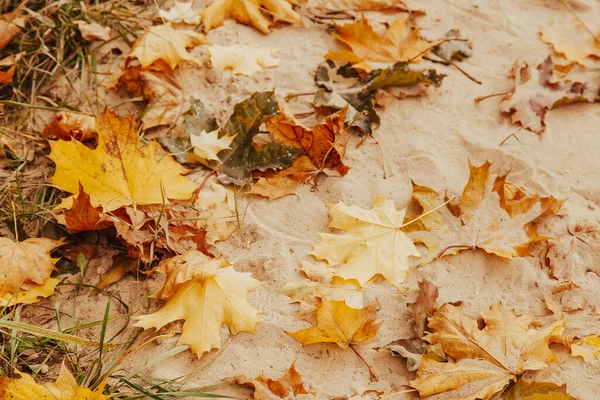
{"points": [[206, 293], [373, 244], [120, 171]]}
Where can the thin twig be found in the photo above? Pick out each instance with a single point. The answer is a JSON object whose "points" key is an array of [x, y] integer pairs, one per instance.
{"points": [[465, 73], [374, 377], [570, 8], [481, 98], [427, 213], [514, 134]]}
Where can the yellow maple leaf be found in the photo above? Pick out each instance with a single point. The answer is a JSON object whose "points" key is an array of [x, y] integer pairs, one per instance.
{"points": [[373, 244], [400, 43], [205, 293], [571, 39], [338, 323], [163, 42], [25, 268], [65, 388], [207, 145], [120, 171], [486, 359], [587, 348], [249, 12], [242, 59]]}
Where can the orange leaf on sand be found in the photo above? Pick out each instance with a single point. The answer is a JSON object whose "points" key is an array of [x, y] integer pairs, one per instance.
{"points": [[290, 384]]}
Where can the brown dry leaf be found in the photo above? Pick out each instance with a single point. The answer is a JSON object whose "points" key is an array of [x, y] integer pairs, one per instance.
{"points": [[338, 323], [249, 12], [205, 293], [120, 171], [424, 307], [122, 265], [480, 219], [322, 149], [572, 40], [289, 385], [66, 125], [93, 31], [25, 269], [65, 388], [400, 43], [488, 352], [163, 42], [10, 24], [537, 90], [11, 62], [82, 216]]}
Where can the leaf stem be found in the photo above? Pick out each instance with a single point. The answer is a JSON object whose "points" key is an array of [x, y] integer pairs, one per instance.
{"points": [[374, 377], [427, 213]]}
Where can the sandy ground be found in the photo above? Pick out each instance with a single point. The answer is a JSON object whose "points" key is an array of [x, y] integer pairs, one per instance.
{"points": [[429, 140]]}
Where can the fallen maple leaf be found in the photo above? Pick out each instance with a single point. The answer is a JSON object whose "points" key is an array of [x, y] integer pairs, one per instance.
{"points": [[533, 390], [93, 31], [163, 42], [486, 359], [66, 125], [572, 40], [207, 145], [400, 43], [181, 12], [242, 59], [65, 388], [82, 216], [290, 384], [373, 243], [587, 348], [205, 293], [249, 12], [25, 268], [243, 157], [537, 90], [120, 171]]}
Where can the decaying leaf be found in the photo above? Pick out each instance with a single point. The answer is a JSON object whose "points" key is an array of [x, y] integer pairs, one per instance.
{"points": [[205, 293], [373, 244], [65, 388], [249, 12], [216, 211], [587, 348], [537, 90], [120, 171], [338, 323], [25, 269], [66, 125], [290, 384], [242, 59], [400, 43], [11, 24], [455, 48], [488, 353], [533, 390], [572, 40], [11, 63], [243, 157], [93, 31], [163, 42], [181, 12], [490, 216], [424, 307]]}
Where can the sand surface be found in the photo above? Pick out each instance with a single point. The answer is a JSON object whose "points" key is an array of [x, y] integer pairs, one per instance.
{"points": [[427, 139]]}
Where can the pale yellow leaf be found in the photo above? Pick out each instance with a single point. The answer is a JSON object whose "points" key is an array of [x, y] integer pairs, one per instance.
{"points": [[181, 12], [242, 59], [207, 145]]}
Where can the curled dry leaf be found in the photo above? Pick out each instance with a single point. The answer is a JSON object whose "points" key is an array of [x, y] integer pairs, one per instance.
{"points": [[65, 388], [242, 59], [424, 307], [373, 244], [163, 42], [120, 171], [181, 12], [571, 39], [25, 268], [249, 12], [93, 31], [400, 43], [537, 90], [486, 359], [205, 293], [66, 125], [289, 385]]}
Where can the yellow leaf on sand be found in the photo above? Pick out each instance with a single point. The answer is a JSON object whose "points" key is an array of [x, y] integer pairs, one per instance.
{"points": [[249, 12], [65, 388], [25, 269], [373, 244], [242, 59], [485, 360], [205, 293], [163, 42], [400, 43], [216, 211], [571, 39], [181, 12], [587, 348], [120, 171], [207, 145], [338, 323], [290, 384]]}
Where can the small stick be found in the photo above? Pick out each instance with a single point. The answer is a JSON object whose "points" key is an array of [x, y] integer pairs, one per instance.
{"points": [[292, 95], [481, 98], [452, 63], [382, 157], [514, 134], [454, 247], [374, 377], [211, 173], [568, 6]]}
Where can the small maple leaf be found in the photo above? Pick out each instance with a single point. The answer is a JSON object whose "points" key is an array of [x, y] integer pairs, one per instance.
{"points": [[163, 42], [205, 293], [485, 360], [120, 171], [181, 12], [571, 39], [65, 388], [400, 43], [373, 243], [207, 145], [290, 384], [537, 90], [249, 12], [25, 268], [242, 59], [338, 323]]}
